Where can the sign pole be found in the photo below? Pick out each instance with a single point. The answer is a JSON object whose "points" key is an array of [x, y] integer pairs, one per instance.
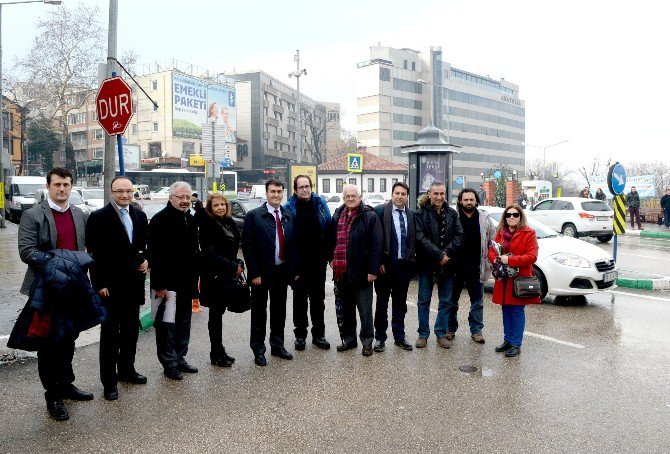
{"points": [[616, 182], [119, 143]]}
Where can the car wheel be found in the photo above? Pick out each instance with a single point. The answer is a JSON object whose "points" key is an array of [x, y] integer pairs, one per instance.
{"points": [[604, 238], [570, 230], [543, 281]]}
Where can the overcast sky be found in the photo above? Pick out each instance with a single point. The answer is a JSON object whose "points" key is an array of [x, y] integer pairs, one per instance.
{"points": [[592, 72]]}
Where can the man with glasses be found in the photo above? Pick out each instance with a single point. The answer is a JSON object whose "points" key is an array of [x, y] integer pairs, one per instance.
{"points": [[173, 258], [312, 217], [116, 236]]}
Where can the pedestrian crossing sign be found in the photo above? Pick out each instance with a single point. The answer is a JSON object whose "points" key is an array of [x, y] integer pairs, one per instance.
{"points": [[354, 162]]}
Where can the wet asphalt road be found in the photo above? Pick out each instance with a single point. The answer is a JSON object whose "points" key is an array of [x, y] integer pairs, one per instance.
{"points": [[639, 254], [591, 378]]}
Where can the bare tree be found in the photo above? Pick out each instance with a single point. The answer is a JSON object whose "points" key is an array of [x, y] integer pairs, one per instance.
{"points": [[345, 144], [318, 122], [596, 167], [559, 174], [61, 68]]}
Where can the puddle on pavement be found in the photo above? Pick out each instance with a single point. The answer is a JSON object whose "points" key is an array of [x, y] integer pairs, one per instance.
{"points": [[473, 371]]}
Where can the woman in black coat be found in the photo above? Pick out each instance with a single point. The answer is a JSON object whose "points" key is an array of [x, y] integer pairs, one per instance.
{"points": [[219, 243]]}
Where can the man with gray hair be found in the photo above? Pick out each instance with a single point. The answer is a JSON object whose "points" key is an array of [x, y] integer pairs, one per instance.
{"points": [[173, 257]]}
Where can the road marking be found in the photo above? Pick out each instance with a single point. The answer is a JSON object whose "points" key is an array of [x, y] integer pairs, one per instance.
{"points": [[3, 337], [638, 295], [553, 339], [644, 256]]}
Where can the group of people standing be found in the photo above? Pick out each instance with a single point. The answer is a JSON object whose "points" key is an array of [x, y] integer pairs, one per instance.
{"points": [[370, 251]]}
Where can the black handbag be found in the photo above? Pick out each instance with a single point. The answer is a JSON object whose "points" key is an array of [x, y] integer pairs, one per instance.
{"points": [[239, 295], [527, 287]]}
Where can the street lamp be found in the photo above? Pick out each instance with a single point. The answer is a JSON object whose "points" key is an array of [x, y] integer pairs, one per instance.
{"points": [[297, 73], [2, 131], [544, 155]]}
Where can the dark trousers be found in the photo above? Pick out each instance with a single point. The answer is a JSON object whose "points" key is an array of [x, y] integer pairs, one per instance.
{"points": [[666, 216], [392, 284], [172, 338], [635, 216], [310, 286], [259, 304], [118, 341], [54, 364], [215, 327], [356, 296], [470, 282]]}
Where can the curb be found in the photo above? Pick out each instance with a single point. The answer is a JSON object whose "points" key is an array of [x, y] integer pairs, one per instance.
{"points": [[648, 234], [644, 284], [146, 322]]}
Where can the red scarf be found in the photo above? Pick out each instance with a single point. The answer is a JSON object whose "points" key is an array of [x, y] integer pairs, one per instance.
{"points": [[340, 256], [507, 235]]}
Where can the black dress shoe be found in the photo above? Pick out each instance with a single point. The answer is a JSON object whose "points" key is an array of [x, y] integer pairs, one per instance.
{"points": [[134, 378], [300, 344], [281, 353], [404, 345], [186, 367], [221, 359], [321, 342], [74, 393], [344, 346], [503, 347], [173, 373], [111, 393], [57, 410], [379, 346], [513, 351], [260, 360], [367, 351]]}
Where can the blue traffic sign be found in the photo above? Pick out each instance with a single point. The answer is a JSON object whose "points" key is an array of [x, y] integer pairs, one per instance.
{"points": [[616, 179], [497, 174]]}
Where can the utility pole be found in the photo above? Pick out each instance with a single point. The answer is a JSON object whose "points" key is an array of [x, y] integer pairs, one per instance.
{"points": [[297, 73], [2, 136], [110, 149]]}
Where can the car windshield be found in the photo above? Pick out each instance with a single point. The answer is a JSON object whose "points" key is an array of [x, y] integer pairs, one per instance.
{"points": [[94, 194], [26, 189], [75, 198], [595, 206], [251, 204], [335, 198], [541, 230]]}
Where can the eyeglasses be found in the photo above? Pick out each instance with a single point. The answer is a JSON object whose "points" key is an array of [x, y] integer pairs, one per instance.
{"points": [[511, 214], [182, 197], [123, 191]]}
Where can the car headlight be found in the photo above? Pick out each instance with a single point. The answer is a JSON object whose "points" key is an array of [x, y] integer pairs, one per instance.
{"points": [[16, 205], [571, 260]]}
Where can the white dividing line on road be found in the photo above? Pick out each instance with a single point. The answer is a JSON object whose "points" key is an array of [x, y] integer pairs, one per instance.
{"points": [[638, 295], [553, 339], [644, 256]]}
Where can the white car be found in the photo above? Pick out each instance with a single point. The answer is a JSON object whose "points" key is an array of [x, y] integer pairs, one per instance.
{"points": [[93, 198], [575, 216], [374, 199], [566, 266], [162, 193], [334, 203]]}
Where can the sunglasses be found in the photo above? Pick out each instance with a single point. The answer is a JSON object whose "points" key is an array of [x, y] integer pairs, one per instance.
{"points": [[512, 215]]}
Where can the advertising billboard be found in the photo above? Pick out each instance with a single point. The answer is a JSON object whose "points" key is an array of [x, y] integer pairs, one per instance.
{"points": [[432, 168], [644, 184], [131, 157]]}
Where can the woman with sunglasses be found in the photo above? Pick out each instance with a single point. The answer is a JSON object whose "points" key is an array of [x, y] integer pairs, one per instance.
{"points": [[519, 250], [219, 265]]}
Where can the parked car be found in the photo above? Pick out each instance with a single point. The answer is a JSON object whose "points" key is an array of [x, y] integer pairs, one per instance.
{"points": [[334, 203], [75, 199], [239, 208], [151, 207], [374, 199], [566, 266], [162, 193], [93, 198], [20, 194], [575, 216]]}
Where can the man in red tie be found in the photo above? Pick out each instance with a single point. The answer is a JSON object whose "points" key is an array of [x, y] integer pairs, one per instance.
{"points": [[268, 247]]}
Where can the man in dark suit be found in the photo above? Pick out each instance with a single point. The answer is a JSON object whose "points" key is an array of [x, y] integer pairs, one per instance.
{"points": [[173, 257], [116, 236], [398, 266], [53, 224], [268, 247]]}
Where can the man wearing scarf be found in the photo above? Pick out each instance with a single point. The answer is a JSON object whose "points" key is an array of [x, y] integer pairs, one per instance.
{"points": [[356, 242]]}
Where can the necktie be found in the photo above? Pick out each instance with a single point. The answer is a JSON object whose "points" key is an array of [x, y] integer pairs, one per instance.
{"points": [[127, 223], [403, 235], [280, 234]]}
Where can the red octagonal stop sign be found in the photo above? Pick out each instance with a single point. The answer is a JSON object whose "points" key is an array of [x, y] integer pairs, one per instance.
{"points": [[114, 105]]}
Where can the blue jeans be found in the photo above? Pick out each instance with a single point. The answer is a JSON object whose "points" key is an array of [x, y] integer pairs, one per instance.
{"points": [[444, 289], [666, 215], [514, 322], [476, 293]]}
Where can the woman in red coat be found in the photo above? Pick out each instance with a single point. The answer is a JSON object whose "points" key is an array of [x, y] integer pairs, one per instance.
{"points": [[519, 250]]}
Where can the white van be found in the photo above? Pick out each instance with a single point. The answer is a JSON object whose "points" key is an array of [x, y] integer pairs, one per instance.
{"points": [[20, 194]]}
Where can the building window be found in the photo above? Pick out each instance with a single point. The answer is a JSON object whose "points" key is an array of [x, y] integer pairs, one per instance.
{"points": [[187, 149], [413, 66], [352, 181], [382, 185], [393, 181], [339, 185], [155, 128], [404, 64], [133, 128], [371, 185], [155, 107], [155, 150], [326, 185], [97, 134], [154, 85], [98, 153]]}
